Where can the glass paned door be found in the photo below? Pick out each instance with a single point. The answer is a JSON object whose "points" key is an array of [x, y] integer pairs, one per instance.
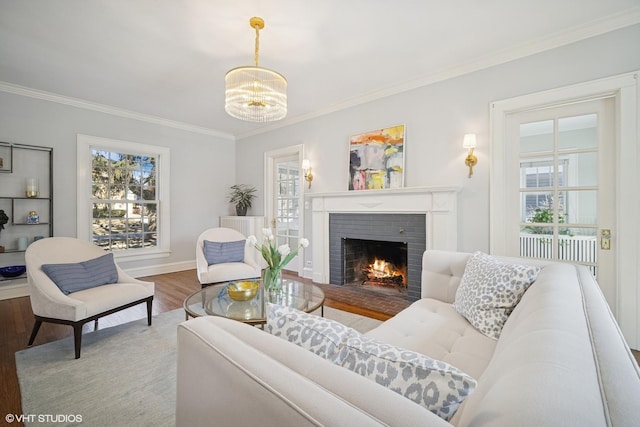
{"points": [[286, 204], [566, 190]]}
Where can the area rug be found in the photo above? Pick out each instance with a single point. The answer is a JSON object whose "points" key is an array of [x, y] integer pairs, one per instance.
{"points": [[126, 375]]}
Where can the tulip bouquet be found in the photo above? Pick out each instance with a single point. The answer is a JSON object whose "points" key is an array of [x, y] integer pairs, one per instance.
{"points": [[275, 256]]}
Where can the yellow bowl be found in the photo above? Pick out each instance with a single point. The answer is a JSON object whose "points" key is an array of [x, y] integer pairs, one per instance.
{"points": [[242, 291]]}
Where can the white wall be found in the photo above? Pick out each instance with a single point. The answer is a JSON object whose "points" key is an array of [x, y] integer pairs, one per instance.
{"points": [[436, 118], [202, 167]]}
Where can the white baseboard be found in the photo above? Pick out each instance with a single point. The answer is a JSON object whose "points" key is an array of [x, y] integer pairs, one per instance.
{"points": [[152, 270], [307, 273], [17, 289]]}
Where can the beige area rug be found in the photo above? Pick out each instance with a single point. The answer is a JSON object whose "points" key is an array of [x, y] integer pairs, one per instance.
{"points": [[126, 375]]}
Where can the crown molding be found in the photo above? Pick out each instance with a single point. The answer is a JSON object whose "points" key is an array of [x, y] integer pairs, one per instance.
{"points": [[572, 35], [106, 109]]}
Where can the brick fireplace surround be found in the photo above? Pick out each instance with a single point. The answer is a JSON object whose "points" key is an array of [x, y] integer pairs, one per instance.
{"points": [[381, 227], [437, 207]]}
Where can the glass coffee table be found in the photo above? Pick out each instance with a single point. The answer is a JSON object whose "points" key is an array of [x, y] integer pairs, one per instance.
{"points": [[214, 301]]}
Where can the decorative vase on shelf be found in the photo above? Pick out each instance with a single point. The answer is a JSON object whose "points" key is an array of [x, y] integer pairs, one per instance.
{"points": [[32, 188], [33, 217]]}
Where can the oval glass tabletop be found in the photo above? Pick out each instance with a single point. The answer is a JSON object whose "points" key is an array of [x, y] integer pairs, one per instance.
{"points": [[215, 301]]}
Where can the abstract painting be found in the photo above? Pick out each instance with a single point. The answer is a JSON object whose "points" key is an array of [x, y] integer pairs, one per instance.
{"points": [[376, 159]]}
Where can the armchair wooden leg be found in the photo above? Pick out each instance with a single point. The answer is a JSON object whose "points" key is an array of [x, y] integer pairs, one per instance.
{"points": [[77, 325], [77, 338], [95, 325], [149, 309], [34, 331]]}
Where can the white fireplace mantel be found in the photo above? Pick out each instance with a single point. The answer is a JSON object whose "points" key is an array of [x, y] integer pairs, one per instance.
{"points": [[439, 204]]}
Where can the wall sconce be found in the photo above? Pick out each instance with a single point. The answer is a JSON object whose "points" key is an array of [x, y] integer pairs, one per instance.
{"points": [[306, 168], [470, 143]]}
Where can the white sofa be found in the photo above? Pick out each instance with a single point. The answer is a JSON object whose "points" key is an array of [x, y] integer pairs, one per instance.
{"points": [[560, 361]]}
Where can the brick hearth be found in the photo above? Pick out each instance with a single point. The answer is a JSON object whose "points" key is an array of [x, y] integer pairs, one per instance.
{"points": [[364, 299]]}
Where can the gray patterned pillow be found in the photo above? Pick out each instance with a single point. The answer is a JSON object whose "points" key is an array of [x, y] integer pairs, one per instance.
{"points": [[433, 384], [319, 335], [490, 290]]}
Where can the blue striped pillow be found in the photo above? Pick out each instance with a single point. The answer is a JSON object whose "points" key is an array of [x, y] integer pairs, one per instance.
{"points": [[219, 252], [74, 277]]}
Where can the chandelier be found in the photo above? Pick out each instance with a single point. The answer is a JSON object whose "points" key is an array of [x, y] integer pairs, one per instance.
{"points": [[253, 93]]}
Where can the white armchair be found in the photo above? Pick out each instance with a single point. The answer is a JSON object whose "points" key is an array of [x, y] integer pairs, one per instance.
{"points": [[50, 304], [225, 271]]}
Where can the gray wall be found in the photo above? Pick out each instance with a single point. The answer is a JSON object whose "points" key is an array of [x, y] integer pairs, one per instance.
{"points": [[202, 166], [436, 118]]}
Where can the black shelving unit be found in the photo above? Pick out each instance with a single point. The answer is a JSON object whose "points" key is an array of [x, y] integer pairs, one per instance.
{"points": [[19, 163]]}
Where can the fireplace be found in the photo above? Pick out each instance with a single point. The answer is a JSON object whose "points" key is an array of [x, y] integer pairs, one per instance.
{"points": [[356, 240], [339, 215], [377, 265]]}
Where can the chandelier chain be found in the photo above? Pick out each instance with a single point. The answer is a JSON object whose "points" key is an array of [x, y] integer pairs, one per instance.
{"points": [[255, 57]]}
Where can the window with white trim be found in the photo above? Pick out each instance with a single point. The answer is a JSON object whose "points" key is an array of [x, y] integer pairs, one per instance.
{"points": [[122, 196], [124, 200]]}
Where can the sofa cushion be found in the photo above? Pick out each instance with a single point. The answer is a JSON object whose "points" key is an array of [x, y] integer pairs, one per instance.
{"points": [[490, 290], [221, 252], [435, 329], [74, 277], [434, 384]]}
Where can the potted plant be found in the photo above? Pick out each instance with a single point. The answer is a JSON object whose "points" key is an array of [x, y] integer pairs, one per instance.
{"points": [[242, 196], [3, 220]]}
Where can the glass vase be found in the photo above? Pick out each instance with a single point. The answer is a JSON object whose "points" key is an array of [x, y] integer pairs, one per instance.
{"points": [[272, 279]]}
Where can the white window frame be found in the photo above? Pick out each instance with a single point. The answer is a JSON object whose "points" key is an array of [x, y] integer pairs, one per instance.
{"points": [[87, 143]]}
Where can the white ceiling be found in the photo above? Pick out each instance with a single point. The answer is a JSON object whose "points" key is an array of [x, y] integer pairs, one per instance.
{"points": [[168, 58]]}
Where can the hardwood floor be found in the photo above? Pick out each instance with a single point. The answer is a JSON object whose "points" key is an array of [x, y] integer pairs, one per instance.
{"points": [[16, 318]]}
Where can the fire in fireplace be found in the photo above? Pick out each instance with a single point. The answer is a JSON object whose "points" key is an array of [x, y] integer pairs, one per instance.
{"points": [[384, 273], [377, 265]]}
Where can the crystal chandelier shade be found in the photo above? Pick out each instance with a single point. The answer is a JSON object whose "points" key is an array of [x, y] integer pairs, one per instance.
{"points": [[253, 93]]}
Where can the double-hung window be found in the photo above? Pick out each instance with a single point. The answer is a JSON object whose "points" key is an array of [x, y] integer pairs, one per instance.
{"points": [[123, 197]]}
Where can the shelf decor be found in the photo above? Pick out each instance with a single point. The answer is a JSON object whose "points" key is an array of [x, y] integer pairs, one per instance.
{"points": [[26, 205], [32, 188], [33, 218], [3, 220], [6, 157]]}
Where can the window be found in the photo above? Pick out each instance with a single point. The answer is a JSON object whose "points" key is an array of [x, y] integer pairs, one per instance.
{"points": [[122, 197], [536, 183], [124, 204]]}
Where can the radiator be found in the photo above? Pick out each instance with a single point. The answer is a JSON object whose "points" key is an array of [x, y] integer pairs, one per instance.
{"points": [[247, 225]]}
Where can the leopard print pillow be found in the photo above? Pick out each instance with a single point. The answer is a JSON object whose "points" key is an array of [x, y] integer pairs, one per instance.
{"points": [[490, 290], [435, 385]]}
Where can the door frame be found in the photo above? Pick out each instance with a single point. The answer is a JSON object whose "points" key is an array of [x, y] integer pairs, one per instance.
{"points": [[625, 90], [269, 157]]}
